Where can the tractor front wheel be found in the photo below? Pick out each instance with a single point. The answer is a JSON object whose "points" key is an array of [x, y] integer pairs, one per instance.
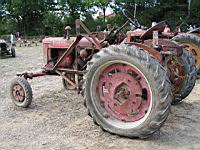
{"points": [[21, 92], [127, 92]]}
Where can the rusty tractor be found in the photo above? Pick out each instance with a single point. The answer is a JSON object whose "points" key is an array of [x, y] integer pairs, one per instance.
{"points": [[189, 40], [126, 85], [178, 62]]}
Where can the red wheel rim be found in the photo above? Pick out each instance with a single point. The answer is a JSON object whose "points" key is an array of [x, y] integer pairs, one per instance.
{"points": [[18, 93], [124, 92]]}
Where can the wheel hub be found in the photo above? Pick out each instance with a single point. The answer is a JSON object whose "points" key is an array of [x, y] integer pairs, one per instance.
{"points": [[124, 92], [18, 93]]}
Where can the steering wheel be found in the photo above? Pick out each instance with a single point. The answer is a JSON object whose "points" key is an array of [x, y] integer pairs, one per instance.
{"points": [[131, 18], [115, 30], [112, 34]]}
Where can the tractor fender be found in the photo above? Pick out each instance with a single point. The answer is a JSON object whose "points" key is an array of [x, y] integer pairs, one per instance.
{"points": [[153, 52], [167, 46], [149, 33]]}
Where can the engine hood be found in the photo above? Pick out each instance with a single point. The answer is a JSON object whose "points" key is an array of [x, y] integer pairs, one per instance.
{"points": [[60, 42]]}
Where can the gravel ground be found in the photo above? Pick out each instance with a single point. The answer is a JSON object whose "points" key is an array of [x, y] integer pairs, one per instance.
{"points": [[57, 119]]}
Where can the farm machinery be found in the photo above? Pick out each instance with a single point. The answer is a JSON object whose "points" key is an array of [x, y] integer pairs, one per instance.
{"points": [[128, 82], [189, 40], [180, 63], [6, 48]]}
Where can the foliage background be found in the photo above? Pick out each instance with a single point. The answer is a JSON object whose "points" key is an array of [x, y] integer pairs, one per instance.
{"points": [[49, 17]]}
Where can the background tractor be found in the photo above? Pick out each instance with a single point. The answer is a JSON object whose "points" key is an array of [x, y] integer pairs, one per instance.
{"points": [[178, 62], [191, 43], [6, 48], [190, 40], [125, 84]]}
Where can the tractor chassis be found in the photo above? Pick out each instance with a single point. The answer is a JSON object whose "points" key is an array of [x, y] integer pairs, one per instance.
{"points": [[55, 70]]}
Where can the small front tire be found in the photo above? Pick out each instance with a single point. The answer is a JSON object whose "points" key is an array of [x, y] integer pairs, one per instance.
{"points": [[21, 92]]}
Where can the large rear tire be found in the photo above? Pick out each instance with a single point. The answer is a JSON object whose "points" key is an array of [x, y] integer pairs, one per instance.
{"points": [[127, 92], [192, 44]]}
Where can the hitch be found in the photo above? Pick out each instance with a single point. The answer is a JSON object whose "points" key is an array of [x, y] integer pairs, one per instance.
{"points": [[31, 75]]}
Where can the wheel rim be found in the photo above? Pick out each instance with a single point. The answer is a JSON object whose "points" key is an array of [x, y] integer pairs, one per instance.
{"points": [[123, 92], [177, 74], [18, 93], [194, 49]]}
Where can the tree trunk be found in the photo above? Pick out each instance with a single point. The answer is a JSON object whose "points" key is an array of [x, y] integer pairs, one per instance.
{"points": [[104, 15]]}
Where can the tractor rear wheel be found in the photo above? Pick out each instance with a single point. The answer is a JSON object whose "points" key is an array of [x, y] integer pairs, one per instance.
{"points": [[21, 92], [192, 44], [127, 92]]}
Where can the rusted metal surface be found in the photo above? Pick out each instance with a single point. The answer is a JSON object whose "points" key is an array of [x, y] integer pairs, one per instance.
{"points": [[149, 33], [194, 49], [73, 84], [71, 77], [133, 34], [177, 73], [167, 45], [171, 53], [150, 50], [30, 75], [124, 92]]}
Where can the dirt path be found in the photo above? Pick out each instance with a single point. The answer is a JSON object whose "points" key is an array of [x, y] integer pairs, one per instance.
{"points": [[57, 119]]}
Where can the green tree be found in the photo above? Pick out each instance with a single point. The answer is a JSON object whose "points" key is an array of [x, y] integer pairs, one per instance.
{"points": [[27, 14]]}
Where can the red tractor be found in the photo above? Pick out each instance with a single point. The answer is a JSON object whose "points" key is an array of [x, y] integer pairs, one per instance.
{"points": [[125, 85]]}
